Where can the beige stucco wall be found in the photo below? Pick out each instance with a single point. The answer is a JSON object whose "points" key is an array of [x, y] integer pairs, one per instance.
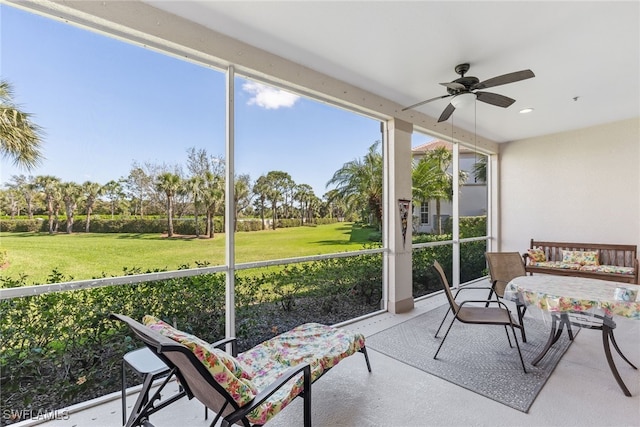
{"points": [[579, 186]]}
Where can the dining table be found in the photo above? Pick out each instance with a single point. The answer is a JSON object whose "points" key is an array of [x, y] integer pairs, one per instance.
{"points": [[581, 302]]}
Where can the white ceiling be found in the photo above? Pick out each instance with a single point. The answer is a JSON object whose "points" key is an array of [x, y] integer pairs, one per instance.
{"points": [[402, 50]]}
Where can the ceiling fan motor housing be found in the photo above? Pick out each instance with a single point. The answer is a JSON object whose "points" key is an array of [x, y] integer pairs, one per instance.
{"points": [[467, 82]]}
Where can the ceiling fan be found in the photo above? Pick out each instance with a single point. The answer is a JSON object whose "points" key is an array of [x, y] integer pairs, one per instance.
{"points": [[463, 90]]}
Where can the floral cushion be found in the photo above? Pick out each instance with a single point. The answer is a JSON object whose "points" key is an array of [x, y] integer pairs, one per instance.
{"points": [[608, 269], [319, 345], [227, 371], [536, 255], [580, 257], [560, 264], [590, 258]]}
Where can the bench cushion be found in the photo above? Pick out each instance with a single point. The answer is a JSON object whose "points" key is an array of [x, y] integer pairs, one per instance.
{"points": [[615, 269], [580, 257], [559, 264], [536, 255]]}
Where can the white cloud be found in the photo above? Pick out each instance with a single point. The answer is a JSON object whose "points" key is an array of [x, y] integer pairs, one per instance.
{"points": [[269, 97]]}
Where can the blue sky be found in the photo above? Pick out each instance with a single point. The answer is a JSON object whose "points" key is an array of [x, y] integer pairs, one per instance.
{"points": [[104, 104]]}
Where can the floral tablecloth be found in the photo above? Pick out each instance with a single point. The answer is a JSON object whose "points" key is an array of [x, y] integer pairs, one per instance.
{"points": [[572, 294]]}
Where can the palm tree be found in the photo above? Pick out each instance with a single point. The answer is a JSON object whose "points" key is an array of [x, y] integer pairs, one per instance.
{"points": [[212, 195], [359, 184], [194, 186], [20, 138], [304, 194], [26, 186], [261, 190], [49, 186], [432, 180], [277, 182], [480, 169], [169, 183], [90, 191], [333, 207], [11, 197], [241, 197], [71, 193]]}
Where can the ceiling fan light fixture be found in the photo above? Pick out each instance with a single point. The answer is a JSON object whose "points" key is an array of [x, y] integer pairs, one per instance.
{"points": [[463, 100], [526, 110]]}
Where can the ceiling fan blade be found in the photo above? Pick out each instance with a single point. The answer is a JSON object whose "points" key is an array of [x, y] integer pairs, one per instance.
{"points": [[447, 113], [454, 85], [424, 102], [494, 99], [504, 79]]}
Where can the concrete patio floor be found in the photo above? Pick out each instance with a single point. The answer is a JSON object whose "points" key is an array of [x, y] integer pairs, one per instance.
{"points": [[581, 391]]}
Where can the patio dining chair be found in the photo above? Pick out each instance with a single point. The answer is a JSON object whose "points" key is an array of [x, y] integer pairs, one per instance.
{"points": [[478, 314], [504, 267]]}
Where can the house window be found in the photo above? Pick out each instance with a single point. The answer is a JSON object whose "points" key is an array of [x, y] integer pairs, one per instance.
{"points": [[424, 213]]}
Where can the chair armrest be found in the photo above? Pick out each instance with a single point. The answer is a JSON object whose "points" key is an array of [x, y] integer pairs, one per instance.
{"points": [[305, 368], [223, 342], [485, 301]]}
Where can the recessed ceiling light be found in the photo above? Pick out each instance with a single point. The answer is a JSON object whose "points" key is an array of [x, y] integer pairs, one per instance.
{"points": [[526, 110]]}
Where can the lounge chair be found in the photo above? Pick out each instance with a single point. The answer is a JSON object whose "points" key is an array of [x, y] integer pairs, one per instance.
{"points": [[254, 386]]}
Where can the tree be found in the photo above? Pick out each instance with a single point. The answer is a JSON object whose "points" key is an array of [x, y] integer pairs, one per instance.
{"points": [[169, 183], [138, 184], [287, 189], [359, 184], [71, 193], [261, 189], [198, 161], [112, 190], [277, 183], [11, 198], [195, 187], [332, 205], [27, 188], [49, 186], [304, 194], [433, 181], [480, 169], [20, 138], [90, 191], [241, 197], [212, 195]]}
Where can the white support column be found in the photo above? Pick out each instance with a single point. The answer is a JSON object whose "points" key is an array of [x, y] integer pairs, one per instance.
{"points": [[230, 300], [398, 265], [455, 261], [493, 204]]}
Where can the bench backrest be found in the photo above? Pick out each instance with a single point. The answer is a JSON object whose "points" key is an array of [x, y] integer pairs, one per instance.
{"points": [[620, 255]]}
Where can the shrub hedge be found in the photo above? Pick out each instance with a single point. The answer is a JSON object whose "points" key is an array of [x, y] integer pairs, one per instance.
{"points": [[147, 225]]}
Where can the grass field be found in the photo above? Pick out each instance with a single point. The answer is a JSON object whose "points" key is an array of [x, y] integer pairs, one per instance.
{"points": [[84, 256]]}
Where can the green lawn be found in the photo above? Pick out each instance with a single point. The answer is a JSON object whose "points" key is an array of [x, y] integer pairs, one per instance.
{"points": [[83, 256]]}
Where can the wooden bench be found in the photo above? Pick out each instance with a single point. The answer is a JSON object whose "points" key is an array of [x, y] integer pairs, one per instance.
{"points": [[618, 263]]}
